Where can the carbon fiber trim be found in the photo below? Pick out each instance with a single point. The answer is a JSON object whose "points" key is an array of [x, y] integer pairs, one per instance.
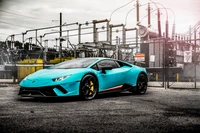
{"points": [[40, 91]]}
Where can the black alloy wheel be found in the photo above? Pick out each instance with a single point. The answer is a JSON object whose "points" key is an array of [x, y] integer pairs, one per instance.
{"points": [[88, 87], [141, 84]]}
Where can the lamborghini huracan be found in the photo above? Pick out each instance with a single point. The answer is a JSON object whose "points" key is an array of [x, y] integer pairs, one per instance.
{"points": [[86, 77]]}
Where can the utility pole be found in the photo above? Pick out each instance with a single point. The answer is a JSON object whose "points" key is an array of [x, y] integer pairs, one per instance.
{"points": [[60, 53], [136, 31], [195, 57], [35, 37], [94, 31], [166, 43], [68, 39], [123, 35], [149, 15], [138, 12], [79, 33], [190, 34], [108, 33], [23, 40], [117, 47], [138, 22]]}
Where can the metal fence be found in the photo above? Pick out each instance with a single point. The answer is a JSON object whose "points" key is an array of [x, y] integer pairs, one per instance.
{"points": [[188, 78], [164, 64], [167, 67], [172, 77]]}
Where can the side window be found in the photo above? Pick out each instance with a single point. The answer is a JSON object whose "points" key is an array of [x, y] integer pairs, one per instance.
{"points": [[107, 63], [121, 64], [95, 67], [118, 65]]}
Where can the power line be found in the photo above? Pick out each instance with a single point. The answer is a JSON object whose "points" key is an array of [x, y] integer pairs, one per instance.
{"points": [[14, 24], [23, 15], [4, 34], [120, 8]]}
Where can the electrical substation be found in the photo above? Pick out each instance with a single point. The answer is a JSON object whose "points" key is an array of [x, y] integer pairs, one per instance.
{"points": [[171, 59]]}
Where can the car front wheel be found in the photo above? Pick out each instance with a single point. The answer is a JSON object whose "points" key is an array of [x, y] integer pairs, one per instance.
{"points": [[88, 87]]}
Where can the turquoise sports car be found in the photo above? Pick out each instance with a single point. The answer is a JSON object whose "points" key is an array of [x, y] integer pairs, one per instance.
{"points": [[85, 77]]}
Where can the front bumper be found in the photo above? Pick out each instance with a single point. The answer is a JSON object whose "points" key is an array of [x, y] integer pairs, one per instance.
{"points": [[41, 91]]}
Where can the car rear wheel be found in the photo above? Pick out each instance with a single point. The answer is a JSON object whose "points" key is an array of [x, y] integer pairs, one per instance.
{"points": [[141, 84], [88, 87]]}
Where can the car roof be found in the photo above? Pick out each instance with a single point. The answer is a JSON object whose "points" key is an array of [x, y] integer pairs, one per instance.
{"points": [[103, 58], [100, 58]]}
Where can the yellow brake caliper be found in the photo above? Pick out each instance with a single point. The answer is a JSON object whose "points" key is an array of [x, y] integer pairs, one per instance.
{"points": [[91, 88]]}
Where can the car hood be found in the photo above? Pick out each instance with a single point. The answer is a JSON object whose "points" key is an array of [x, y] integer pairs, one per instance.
{"points": [[54, 73]]}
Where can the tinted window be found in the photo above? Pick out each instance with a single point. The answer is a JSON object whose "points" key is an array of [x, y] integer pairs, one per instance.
{"points": [[107, 63], [95, 67], [76, 63], [121, 64], [116, 62]]}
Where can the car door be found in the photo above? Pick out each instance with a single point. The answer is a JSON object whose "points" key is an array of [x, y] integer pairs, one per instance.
{"points": [[111, 78]]}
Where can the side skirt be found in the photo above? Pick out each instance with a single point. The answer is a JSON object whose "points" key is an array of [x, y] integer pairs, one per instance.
{"points": [[128, 87], [121, 88]]}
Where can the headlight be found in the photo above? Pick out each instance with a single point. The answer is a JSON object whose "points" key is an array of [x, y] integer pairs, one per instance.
{"points": [[26, 77], [60, 78]]}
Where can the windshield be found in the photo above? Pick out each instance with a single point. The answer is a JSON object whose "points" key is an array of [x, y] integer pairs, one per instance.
{"points": [[76, 63]]}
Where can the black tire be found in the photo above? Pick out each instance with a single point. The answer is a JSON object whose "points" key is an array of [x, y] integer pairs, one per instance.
{"points": [[141, 87], [88, 87]]}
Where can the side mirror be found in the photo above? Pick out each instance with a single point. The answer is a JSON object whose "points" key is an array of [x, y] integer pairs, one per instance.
{"points": [[104, 68]]}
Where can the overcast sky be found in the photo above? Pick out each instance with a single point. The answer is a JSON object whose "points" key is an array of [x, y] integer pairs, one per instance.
{"points": [[17, 16]]}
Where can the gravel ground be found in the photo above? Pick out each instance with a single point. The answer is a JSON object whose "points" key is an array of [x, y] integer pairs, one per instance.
{"points": [[158, 111]]}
